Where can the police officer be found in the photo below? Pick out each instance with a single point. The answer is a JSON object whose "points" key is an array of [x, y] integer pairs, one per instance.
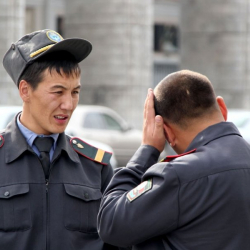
{"points": [[196, 200], [50, 184]]}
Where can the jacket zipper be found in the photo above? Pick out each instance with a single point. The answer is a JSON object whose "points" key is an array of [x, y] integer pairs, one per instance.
{"points": [[47, 207], [47, 213]]}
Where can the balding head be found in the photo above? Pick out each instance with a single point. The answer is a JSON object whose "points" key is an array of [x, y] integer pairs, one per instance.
{"points": [[183, 96]]}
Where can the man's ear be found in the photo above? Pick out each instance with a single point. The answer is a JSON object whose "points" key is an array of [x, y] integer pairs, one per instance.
{"points": [[24, 90], [170, 136], [222, 106]]}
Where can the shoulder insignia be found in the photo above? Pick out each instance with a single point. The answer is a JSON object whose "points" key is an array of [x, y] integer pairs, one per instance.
{"points": [[90, 152], [139, 190], [1, 141], [172, 157]]}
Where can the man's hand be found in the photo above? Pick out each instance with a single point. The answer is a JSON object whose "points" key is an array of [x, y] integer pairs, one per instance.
{"points": [[153, 132]]}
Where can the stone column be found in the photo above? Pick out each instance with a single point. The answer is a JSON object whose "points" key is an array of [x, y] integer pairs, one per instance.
{"points": [[119, 70], [216, 42], [12, 28]]}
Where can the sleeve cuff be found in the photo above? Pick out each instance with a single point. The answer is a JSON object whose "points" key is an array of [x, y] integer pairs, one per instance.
{"points": [[145, 156]]}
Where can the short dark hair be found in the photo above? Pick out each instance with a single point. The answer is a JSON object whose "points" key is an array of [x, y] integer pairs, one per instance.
{"points": [[184, 95], [61, 61]]}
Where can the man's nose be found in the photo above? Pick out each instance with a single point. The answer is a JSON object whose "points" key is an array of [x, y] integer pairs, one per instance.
{"points": [[67, 103]]}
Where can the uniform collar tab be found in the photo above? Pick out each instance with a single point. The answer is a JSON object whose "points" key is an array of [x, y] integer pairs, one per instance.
{"points": [[172, 157]]}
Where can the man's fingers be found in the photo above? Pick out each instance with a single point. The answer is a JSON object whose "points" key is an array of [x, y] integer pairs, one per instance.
{"points": [[146, 105], [150, 112], [153, 132]]}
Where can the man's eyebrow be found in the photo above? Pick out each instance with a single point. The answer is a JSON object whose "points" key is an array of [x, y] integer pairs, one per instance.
{"points": [[62, 87]]}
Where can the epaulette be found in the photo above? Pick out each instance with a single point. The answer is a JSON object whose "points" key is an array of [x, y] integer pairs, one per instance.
{"points": [[172, 157], [90, 152], [1, 141]]}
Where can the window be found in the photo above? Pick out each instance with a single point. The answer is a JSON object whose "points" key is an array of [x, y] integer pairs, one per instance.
{"points": [[101, 121], [60, 25], [111, 123], [94, 121], [29, 20], [166, 38], [161, 70]]}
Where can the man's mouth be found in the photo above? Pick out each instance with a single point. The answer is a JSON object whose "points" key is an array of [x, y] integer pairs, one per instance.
{"points": [[60, 117]]}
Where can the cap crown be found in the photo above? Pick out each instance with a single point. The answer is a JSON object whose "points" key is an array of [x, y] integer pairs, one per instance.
{"points": [[34, 45]]}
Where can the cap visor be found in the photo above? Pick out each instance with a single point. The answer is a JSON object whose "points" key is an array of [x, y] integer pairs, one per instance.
{"points": [[78, 47]]}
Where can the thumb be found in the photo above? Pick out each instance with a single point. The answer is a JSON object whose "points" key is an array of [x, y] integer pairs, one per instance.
{"points": [[159, 136], [158, 120], [158, 124]]}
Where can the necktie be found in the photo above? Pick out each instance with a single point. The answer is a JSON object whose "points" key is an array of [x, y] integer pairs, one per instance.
{"points": [[44, 145]]}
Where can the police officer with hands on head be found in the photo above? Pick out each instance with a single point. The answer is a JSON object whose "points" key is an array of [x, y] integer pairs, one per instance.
{"points": [[196, 200], [50, 184]]}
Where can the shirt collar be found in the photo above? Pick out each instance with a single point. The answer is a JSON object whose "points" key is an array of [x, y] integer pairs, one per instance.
{"points": [[16, 143], [30, 136]]}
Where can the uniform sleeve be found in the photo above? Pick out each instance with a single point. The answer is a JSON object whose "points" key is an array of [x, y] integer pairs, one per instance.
{"points": [[131, 214], [107, 173]]}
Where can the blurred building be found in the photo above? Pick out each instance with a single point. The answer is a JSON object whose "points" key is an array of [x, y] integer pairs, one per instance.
{"points": [[119, 70], [166, 24], [11, 28], [215, 40], [135, 45], [18, 17]]}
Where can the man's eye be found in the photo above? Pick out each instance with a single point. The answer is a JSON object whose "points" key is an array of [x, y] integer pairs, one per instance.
{"points": [[76, 92], [58, 92]]}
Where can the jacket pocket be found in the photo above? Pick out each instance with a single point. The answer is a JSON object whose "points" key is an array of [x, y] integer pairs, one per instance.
{"points": [[81, 205], [14, 208]]}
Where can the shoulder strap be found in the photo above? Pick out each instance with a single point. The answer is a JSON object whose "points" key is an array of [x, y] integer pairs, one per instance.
{"points": [[90, 152]]}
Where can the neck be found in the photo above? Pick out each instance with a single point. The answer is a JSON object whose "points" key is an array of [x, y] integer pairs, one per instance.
{"points": [[183, 137]]}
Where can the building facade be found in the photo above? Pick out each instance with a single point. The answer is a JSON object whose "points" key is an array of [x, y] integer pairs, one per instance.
{"points": [[12, 16], [118, 72], [166, 50], [215, 41]]}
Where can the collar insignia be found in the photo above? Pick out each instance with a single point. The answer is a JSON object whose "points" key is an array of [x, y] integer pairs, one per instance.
{"points": [[172, 157], [79, 145]]}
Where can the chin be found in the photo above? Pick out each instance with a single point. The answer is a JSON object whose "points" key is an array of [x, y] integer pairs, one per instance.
{"points": [[57, 131]]}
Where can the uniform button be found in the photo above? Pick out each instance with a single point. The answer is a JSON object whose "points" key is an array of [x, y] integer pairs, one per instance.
{"points": [[86, 195], [13, 46], [7, 193]]}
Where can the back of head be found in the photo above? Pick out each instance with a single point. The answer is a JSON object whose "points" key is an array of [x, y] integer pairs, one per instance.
{"points": [[184, 96]]}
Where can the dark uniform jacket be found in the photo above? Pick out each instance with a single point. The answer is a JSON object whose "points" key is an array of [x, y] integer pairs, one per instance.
{"points": [[197, 201], [57, 215]]}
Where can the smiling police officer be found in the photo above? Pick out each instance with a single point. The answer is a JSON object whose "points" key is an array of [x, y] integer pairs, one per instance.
{"points": [[50, 184]]}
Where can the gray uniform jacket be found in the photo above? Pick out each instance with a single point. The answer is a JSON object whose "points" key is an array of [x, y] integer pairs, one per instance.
{"points": [[197, 201], [58, 215]]}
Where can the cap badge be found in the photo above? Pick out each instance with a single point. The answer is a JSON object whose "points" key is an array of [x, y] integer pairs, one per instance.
{"points": [[54, 36]]}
